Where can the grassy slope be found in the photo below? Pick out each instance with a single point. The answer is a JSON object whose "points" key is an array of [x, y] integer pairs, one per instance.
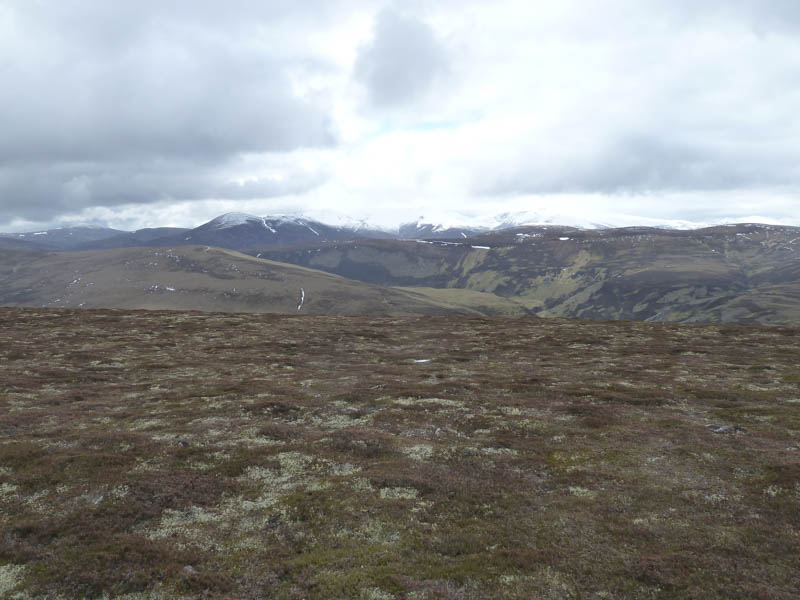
{"points": [[168, 454], [197, 278]]}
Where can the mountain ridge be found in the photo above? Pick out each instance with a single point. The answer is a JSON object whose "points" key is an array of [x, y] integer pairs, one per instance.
{"points": [[298, 228], [747, 272]]}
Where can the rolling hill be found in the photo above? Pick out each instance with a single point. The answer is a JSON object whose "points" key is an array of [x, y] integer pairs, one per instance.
{"points": [[197, 278]]}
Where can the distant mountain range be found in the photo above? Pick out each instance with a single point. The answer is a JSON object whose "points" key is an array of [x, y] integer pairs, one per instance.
{"points": [[239, 231], [746, 273]]}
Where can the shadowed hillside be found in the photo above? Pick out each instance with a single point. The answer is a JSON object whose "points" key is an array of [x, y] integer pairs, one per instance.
{"points": [[743, 273], [196, 455]]}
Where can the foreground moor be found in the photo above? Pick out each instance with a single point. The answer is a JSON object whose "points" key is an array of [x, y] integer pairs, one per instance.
{"points": [[166, 454]]}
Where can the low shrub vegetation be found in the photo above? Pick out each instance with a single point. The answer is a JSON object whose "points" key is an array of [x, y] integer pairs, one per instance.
{"points": [[201, 455]]}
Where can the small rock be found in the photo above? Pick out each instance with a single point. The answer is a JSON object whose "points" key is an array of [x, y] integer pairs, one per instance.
{"points": [[183, 443]]}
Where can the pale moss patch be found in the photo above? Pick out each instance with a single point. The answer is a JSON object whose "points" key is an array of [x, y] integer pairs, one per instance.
{"points": [[184, 524], [164, 437], [647, 520], [7, 489], [10, 578], [378, 531], [360, 484], [142, 424], [151, 464], [60, 444], [581, 492], [399, 493], [251, 441], [568, 462], [339, 421], [211, 421], [374, 593], [35, 500], [515, 580], [499, 451], [419, 452], [710, 497], [446, 402], [120, 491]]}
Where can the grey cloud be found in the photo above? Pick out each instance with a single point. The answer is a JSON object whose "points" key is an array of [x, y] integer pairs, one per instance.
{"points": [[648, 163], [762, 16], [402, 61], [137, 102], [40, 194], [168, 92]]}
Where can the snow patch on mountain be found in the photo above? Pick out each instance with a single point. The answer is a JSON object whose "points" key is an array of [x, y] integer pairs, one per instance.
{"points": [[232, 219]]}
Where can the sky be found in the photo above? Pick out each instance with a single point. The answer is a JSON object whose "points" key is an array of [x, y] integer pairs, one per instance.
{"points": [[147, 113]]}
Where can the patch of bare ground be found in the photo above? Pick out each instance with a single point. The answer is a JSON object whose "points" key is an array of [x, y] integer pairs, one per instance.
{"points": [[195, 455]]}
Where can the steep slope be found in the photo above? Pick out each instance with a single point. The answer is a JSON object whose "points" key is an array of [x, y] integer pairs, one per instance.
{"points": [[742, 273], [197, 278]]}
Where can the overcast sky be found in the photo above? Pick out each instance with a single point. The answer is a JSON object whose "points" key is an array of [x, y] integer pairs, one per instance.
{"points": [[144, 113]]}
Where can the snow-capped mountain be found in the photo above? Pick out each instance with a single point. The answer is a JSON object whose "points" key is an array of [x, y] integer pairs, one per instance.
{"points": [[240, 231], [448, 226], [464, 226], [528, 218], [421, 229]]}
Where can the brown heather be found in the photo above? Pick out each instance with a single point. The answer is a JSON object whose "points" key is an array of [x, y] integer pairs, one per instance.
{"points": [[188, 455]]}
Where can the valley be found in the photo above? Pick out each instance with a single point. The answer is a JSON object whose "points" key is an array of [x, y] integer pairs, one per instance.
{"points": [[740, 273]]}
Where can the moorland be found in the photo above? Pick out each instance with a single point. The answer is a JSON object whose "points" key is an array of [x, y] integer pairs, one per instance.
{"points": [[179, 454]]}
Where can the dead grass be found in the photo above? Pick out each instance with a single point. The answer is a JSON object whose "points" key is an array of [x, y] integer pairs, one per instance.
{"points": [[189, 455]]}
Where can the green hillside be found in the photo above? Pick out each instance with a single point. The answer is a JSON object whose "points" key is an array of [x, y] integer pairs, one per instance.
{"points": [[743, 273]]}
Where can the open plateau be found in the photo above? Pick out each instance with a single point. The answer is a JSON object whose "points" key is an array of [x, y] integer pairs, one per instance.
{"points": [[310, 411]]}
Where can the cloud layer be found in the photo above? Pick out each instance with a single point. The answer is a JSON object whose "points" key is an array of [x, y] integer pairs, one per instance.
{"points": [[184, 109]]}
